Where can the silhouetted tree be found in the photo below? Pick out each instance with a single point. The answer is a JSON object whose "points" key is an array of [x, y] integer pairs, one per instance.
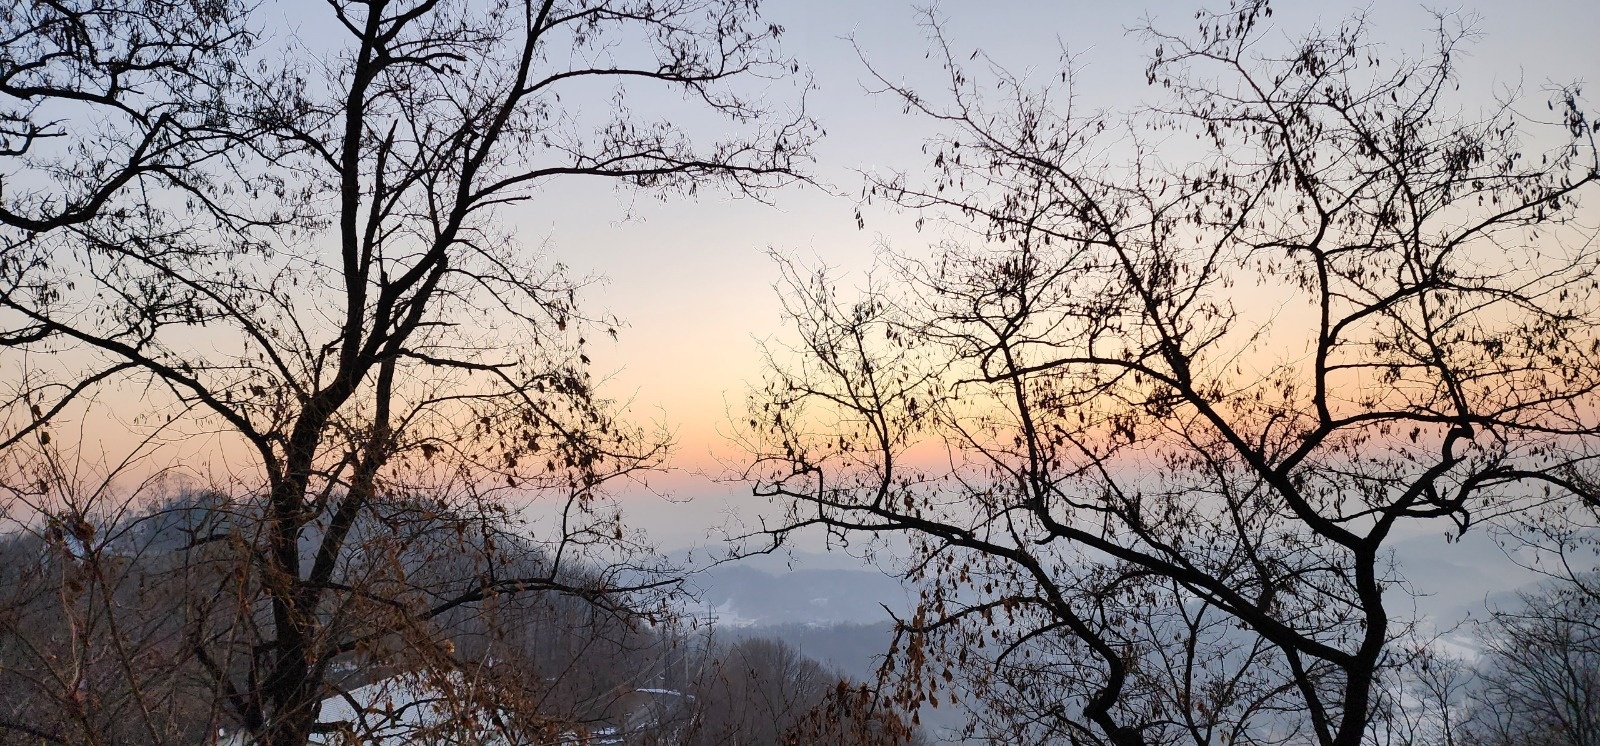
{"points": [[1539, 676], [1150, 417], [764, 691], [301, 262], [99, 98]]}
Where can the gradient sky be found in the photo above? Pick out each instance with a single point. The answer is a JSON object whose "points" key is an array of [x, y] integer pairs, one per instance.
{"points": [[693, 283]]}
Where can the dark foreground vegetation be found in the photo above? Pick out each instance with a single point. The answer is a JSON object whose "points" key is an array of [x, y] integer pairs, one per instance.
{"points": [[98, 637]]}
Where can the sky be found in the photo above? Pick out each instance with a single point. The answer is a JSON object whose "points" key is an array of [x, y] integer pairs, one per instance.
{"points": [[693, 281]]}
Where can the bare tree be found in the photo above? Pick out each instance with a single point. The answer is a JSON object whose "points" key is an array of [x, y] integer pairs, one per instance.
{"points": [[755, 690], [764, 691], [100, 98], [1149, 427], [1539, 677], [92, 642], [331, 299]]}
